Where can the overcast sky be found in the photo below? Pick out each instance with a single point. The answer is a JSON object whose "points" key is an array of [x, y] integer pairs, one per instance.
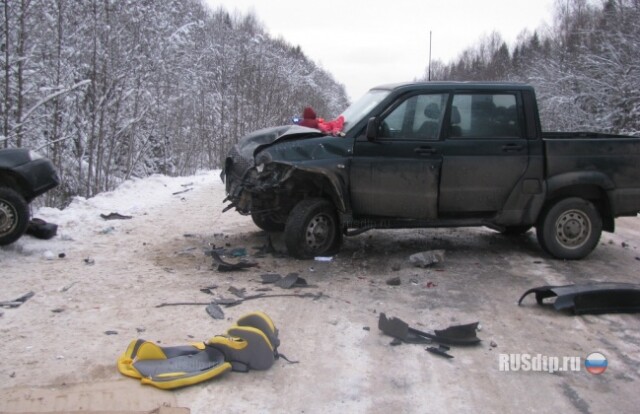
{"points": [[365, 43]]}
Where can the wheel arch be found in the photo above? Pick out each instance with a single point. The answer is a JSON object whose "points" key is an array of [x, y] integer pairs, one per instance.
{"points": [[15, 182], [594, 187], [309, 182]]}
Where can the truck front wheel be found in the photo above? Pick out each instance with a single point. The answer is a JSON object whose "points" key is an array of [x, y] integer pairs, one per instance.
{"points": [[312, 229], [570, 228], [14, 216]]}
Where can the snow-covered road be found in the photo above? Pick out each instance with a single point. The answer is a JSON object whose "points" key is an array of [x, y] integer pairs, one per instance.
{"points": [[56, 356]]}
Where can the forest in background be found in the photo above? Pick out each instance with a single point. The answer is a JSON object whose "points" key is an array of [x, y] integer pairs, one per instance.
{"points": [[585, 66], [112, 89]]}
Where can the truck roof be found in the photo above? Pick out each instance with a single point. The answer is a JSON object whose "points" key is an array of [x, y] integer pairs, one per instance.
{"points": [[493, 86]]}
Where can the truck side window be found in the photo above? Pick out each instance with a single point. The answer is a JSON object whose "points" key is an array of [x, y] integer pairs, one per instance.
{"points": [[485, 116], [417, 118]]}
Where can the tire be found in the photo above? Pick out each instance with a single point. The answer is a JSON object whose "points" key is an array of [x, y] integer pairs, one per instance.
{"points": [[267, 222], [515, 230], [312, 229], [14, 215], [570, 229]]}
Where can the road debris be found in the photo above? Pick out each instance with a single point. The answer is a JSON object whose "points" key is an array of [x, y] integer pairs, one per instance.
{"points": [[593, 298], [241, 293], [115, 216], [453, 335], [230, 267], [40, 229], [441, 350], [16, 303], [428, 258], [268, 278], [182, 192], [233, 302], [215, 311]]}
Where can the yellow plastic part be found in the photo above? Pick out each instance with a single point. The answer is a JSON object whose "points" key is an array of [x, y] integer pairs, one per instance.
{"points": [[228, 341], [183, 382]]}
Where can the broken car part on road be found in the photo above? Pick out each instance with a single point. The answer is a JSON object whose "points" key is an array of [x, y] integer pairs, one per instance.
{"points": [[453, 335], [17, 302], [230, 267], [595, 298]]}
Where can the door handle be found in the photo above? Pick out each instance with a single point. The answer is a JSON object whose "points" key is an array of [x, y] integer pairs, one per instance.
{"points": [[512, 148], [426, 150]]}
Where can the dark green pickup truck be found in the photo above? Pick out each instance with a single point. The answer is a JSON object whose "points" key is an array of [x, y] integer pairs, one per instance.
{"points": [[436, 155]]}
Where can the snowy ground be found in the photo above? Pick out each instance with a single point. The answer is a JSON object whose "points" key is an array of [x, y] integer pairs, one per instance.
{"points": [[98, 276]]}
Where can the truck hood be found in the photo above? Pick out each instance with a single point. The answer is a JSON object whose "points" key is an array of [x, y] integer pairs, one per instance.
{"points": [[262, 138]]}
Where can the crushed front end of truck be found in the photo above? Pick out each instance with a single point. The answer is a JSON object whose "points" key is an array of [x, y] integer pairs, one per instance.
{"points": [[271, 170]]}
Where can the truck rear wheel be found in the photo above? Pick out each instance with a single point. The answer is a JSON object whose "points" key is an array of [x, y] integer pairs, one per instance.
{"points": [[14, 215], [312, 229], [570, 228]]}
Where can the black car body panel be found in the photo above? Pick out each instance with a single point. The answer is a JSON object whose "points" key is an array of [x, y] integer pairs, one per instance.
{"points": [[595, 298], [28, 175]]}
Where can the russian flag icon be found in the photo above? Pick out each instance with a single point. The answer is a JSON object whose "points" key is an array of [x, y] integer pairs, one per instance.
{"points": [[596, 363]]}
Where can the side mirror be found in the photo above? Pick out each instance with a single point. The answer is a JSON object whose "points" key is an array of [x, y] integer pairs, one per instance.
{"points": [[372, 129]]}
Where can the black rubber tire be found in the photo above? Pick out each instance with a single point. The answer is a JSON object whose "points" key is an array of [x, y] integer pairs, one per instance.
{"points": [[14, 215], [267, 223], [312, 229], [515, 230], [570, 229]]}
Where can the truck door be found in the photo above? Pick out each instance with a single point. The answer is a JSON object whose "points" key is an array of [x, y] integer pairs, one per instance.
{"points": [[397, 174], [484, 152]]}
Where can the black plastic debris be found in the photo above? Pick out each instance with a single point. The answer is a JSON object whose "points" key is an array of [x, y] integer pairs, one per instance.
{"points": [[441, 350], [111, 332], [182, 192], [215, 311], [230, 267], [241, 293], [16, 303], [115, 216], [292, 280], [592, 298], [41, 229], [209, 289], [268, 278], [453, 335]]}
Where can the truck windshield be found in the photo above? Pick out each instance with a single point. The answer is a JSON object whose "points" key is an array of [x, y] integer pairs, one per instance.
{"points": [[360, 108]]}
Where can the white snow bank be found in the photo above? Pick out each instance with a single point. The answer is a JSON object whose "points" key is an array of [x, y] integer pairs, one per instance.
{"points": [[81, 219]]}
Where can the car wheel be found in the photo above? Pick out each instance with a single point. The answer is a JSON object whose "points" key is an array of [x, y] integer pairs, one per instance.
{"points": [[515, 230], [570, 229], [267, 222], [312, 229], [14, 216]]}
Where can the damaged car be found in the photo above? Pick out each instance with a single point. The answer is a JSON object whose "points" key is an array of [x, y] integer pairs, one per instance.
{"points": [[24, 175], [435, 154]]}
